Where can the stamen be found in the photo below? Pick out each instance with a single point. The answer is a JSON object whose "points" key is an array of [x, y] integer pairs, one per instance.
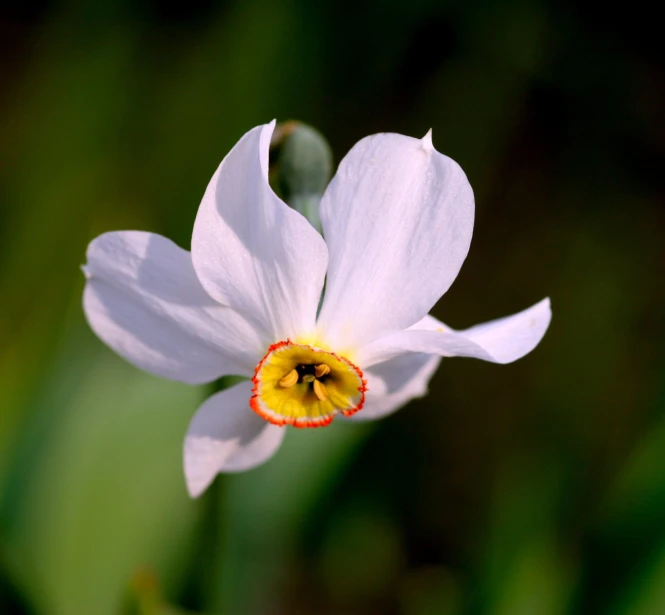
{"points": [[321, 370], [290, 379], [308, 378], [320, 390]]}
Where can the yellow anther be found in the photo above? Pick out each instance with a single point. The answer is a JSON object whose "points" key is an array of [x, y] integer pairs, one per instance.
{"points": [[321, 370], [290, 379], [320, 390]]}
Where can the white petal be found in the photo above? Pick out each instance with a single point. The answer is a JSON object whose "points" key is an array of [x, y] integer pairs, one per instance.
{"points": [[143, 299], [398, 219], [251, 251], [225, 435], [429, 323], [392, 384], [500, 341]]}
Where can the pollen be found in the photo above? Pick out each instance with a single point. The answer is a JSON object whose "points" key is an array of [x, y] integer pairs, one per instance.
{"points": [[290, 379], [321, 370], [305, 386], [319, 390]]}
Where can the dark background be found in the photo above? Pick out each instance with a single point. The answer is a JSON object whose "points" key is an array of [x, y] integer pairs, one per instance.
{"points": [[536, 488]]}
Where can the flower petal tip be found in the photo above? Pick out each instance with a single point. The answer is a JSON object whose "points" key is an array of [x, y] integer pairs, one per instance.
{"points": [[545, 306], [426, 142], [198, 453], [193, 490]]}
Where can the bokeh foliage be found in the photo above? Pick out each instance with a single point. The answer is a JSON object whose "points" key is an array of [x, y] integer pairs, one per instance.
{"points": [[534, 488]]}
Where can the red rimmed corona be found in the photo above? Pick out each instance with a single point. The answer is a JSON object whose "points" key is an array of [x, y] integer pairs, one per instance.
{"points": [[305, 386]]}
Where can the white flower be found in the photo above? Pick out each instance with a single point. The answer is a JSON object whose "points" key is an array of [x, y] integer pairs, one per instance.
{"points": [[397, 220]]}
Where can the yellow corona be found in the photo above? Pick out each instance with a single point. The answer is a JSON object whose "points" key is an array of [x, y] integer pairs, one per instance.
{"points": [[305, 386]]}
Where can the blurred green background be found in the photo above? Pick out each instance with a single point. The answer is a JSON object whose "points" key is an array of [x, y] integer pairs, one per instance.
{"points": [[536, 488]]}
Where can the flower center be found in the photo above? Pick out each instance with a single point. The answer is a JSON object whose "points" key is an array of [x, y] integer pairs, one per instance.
{"points": [[304, 386]]}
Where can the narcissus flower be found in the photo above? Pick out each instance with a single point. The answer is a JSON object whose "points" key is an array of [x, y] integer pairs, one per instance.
{"points": [[397, 220]]}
